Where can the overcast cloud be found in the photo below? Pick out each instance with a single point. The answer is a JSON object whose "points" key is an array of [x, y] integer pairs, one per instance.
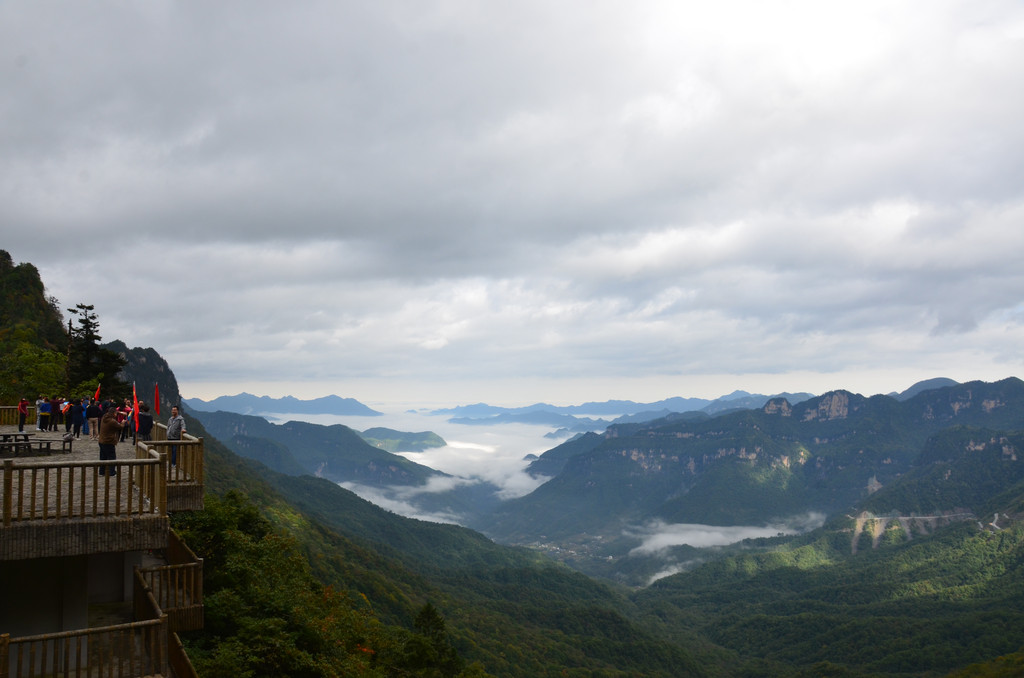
{"points": [[519, 201]]}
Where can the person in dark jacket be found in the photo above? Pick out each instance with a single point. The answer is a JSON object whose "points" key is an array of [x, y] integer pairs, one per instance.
{"points": [[110, 431], [145, 422], [93, 414], [67, 413], [78, 417]]}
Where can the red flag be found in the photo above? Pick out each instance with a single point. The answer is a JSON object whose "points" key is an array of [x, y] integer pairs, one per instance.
{"points": [[135, 406], [156, 398], [97, 396]]}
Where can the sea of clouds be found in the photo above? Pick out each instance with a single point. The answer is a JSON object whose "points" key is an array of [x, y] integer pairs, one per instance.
{"points": [[497, 455]]}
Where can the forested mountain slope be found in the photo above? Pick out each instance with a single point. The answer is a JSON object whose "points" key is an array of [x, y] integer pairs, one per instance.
{"points": [[908, 603], [749, 467], [921, 601], [334, 452], [513, 611], [909, 608], [924, 577], [27, 314]]}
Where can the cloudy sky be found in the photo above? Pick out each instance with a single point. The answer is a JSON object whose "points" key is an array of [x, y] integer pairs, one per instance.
{"points": [[449, 202]]}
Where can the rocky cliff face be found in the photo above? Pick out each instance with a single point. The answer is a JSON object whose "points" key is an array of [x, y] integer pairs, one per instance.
{"points": [[145, 368], [974, 402], [901, 527], [779, 406], [835, 405]]}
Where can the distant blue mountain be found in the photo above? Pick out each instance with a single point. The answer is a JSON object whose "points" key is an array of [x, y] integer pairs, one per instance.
{"points": [[922, 386], [608, 407], [624, 410], [246, 403], [536, 417], [741, 400]]}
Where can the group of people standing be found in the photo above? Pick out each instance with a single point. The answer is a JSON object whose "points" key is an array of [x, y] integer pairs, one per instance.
{"points": [[107, 423], [83, 416], [50, 413]]}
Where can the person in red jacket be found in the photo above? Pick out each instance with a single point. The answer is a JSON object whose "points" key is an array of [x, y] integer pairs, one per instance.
{"points": [[22, 414]]}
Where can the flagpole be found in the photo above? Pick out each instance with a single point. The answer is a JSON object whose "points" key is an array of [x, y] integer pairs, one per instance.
{"points": [[135, 414]]}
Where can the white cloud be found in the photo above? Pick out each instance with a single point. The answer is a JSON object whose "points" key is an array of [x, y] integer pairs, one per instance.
{"points": [[658, 536], [462, 200], [498, 459], [399, 502]]}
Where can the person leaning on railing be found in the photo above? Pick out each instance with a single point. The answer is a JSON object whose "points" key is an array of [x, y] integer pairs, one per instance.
{"points": [[175, 430]]}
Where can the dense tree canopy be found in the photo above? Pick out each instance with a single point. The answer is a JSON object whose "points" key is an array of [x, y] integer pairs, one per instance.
{"points": [[267, 615], [89, 363], [39, 354]]}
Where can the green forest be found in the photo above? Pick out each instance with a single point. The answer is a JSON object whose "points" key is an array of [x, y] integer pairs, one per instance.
{"points": [[948, 603], [39, 354], [304, 578]]}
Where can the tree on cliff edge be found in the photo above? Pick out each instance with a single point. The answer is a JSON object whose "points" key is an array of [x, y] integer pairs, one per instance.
{"points": [[89, 363]]}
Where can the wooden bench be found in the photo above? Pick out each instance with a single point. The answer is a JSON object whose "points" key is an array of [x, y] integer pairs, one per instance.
{"points": [[34, 448]]}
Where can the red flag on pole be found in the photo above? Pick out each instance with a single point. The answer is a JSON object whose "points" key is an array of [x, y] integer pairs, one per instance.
{"points": [[135, 406], [97, 396], [156, 398]]}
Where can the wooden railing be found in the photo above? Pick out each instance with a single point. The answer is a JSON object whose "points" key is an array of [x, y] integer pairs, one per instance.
{"points": [[178, 586], [184, 480], [178, 658], [166, 599], [175, 592], [128, 650], [37, 494], [9, 415], [44, 490], [188, 458]]}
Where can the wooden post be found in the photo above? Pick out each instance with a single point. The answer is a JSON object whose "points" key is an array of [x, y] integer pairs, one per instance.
{"points": [[5, 643], [160, 491], [8, 490], [200, 463]]}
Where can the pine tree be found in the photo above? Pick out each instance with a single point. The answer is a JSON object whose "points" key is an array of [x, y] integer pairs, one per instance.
{"points": [[88, 362]]}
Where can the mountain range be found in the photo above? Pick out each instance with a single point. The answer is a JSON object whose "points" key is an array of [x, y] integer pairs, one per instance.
{"points": [[753, 467], [919, 570], [574, 419], [246, 403], [774, 465], [621, 407]]}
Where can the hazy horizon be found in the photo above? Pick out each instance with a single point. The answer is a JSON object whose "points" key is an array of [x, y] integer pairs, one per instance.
{"points": [[401, 406]]}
